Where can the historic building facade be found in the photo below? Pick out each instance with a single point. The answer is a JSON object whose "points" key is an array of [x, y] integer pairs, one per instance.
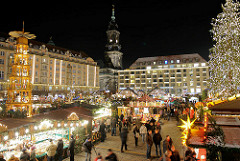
{"points": [[174, 74], [112, 58], [53, 69]]}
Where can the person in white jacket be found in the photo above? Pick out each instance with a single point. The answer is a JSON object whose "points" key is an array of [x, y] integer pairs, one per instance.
{"points": [[143, 132]]}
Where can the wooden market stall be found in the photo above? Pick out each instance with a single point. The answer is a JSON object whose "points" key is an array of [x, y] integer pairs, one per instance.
{"points": [[37, 130], [226, 118], [145, 106]]}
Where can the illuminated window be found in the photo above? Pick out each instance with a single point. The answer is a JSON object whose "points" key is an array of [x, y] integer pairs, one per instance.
{"points": [[165, 62], [192, 90], [198, 90], [178, 61], [149, 67]]}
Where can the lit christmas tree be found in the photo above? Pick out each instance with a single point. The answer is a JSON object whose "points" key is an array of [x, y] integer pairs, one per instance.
{"points": [[224, 60]]}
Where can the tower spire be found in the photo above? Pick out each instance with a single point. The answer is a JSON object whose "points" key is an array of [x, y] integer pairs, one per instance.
{"points": [[113, 13], [23, 27]]}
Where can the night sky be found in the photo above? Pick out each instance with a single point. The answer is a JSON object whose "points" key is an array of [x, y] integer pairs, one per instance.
{"points": [[147, 27]]}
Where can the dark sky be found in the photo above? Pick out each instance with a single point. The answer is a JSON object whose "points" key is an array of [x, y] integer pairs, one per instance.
{"points": [[147, 27]]}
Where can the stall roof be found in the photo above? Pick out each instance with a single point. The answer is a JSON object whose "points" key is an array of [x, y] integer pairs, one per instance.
{"points": [[60, 114], [227, 121], [232, 136], [231, 107], [146, 98]]}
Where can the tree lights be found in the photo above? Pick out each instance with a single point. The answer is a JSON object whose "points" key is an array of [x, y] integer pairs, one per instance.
{"points": [[224, 60]]}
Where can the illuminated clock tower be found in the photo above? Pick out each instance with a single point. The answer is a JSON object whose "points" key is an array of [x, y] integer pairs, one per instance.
{"points": [[108, 75], [113, 55]]}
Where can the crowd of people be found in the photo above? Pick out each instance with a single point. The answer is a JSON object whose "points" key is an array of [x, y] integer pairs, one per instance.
{"points": [[149, 133]]}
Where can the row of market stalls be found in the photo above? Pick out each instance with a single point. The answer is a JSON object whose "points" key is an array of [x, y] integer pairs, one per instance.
{"points": [[219, 132], [145, 105], [16, 134]]}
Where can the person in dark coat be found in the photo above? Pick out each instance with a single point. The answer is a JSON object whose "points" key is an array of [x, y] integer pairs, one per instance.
{"points": [[59, 152], [71, 148], [113, 126], [136, 134], [123, 136], [88, 147], [120, 124], [149, 141], [111, 156], [102, 130], [188, 154], [157, 138], [121, 117], [175, 154]]}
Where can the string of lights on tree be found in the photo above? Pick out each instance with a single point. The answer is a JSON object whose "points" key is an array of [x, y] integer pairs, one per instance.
{"points": [[224, 63]]}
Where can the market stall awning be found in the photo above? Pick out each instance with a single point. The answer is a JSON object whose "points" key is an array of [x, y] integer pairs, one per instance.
{"points": [[231, 107], [58, 115], [146, 98]]}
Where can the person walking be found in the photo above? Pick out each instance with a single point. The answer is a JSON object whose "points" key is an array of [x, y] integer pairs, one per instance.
{"points": [[157, 138], [51, 150], [111, 156], [136, 134], [71, 148], [102, 130], [143, 132], [113, 126], [120, 125], [124, 135], [88, 148], [59, 152], [149, 141]]}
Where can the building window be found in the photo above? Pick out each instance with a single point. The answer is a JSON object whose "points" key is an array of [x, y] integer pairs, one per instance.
{"points": [[2, 53], [172, 61], [165, 62], [1, 74], [178, 61], [166, 80], [1, 61]]}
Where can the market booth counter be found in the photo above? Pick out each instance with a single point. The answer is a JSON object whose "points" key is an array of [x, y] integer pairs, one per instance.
{"points": [[37, 131]]}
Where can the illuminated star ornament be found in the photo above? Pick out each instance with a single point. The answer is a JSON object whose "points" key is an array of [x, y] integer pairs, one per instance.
{"points": [[186, 128]]}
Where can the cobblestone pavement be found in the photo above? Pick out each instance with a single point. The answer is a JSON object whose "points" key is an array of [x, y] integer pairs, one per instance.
{"points": [[135, 153]]}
